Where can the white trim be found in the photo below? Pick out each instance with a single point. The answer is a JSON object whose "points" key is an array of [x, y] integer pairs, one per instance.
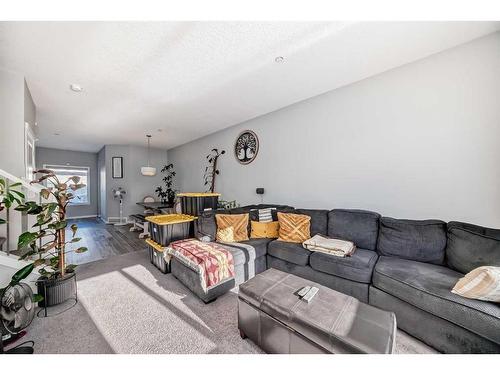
{"points": [[36, 188], [29, 139], [116, 218], [80, 217], [71, 204]]}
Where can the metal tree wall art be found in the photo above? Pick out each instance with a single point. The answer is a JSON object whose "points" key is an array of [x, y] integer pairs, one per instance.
{"points": [[211, 170], [246, 147]]}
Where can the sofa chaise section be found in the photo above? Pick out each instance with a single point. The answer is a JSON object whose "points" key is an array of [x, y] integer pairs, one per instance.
{"points": [[414, 279]]}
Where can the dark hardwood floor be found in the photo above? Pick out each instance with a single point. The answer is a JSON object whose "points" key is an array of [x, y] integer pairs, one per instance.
{"points": [[103, 240]]}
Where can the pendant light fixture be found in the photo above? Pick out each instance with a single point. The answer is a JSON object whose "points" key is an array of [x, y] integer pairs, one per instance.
{"points": [[149, 170]]}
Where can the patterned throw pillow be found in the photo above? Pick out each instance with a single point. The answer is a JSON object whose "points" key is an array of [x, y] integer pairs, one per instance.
{"points": [[239, 223], [265, 230], [266, 215], [482, 283], [225, 235], [294, 227]]}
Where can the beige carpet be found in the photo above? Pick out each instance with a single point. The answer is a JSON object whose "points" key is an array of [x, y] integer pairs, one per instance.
{"points": [[126, 305]]}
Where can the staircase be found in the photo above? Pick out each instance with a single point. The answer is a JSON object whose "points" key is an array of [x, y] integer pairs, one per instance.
{"points": [[17, 223]]}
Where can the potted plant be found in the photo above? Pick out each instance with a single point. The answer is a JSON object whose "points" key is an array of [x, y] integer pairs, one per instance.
{"points": [[47, 243], [167, 195]]}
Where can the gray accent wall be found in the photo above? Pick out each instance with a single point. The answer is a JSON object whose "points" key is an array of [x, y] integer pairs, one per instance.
{"points": [[75, 159], [419, 141], [136, 185]]}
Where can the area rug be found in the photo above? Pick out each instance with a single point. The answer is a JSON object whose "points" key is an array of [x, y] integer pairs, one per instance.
{"points": [[126, 305]]}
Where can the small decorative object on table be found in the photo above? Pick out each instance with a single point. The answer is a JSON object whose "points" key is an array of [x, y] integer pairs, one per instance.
{"points": [[48, 244]]}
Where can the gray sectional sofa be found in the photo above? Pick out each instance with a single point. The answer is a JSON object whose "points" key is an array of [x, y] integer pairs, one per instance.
{"points": [[405, 266]]}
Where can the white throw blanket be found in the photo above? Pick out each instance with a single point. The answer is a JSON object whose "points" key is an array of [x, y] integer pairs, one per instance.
{"points": [[330, 246]]}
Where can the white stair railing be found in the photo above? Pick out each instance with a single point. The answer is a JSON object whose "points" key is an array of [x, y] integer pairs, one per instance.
{"points": [[18, 223]]}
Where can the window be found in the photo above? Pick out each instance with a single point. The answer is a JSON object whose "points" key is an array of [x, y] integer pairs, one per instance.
{"points": [[81, 196]]}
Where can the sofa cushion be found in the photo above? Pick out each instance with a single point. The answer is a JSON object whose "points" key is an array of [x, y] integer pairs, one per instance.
{"points": [[428, 287], [259, 245], [289, 251], [471, 246], [358, 267], [358, 226], [420, 240], [319, 220], [253, 210]]}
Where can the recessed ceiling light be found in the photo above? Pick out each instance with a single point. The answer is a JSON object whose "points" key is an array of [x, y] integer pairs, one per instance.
{"points": [[279, 59], [57, 134], [75, 87]]}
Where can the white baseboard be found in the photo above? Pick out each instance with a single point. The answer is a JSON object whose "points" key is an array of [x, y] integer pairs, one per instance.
{"points": [[115, 219], [81, 217]]}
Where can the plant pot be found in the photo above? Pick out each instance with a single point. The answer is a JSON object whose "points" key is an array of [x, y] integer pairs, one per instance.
{"points": [[56, 291]]}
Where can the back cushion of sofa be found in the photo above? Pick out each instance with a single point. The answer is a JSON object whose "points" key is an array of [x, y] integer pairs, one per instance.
{"points": [[319, 220], [253, 210], [420, 240], [471, 246], [358, 226], [206, 225]]}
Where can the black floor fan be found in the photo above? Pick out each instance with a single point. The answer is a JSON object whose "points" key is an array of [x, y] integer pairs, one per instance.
{"points": [[17, 310]]}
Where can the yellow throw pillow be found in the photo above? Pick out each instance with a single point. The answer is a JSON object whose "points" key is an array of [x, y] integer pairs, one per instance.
{"points": [[294, 227], [265, 229], [239, 223], [225, 235]]}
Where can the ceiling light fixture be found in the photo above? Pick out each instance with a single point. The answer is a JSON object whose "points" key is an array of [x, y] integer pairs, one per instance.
{"points": [[76, 87], [279, 59], [149, 170]]}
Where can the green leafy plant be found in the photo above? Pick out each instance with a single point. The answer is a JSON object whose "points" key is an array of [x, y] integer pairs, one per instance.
{"points": [[18, 277], [211, 170], [48, 242], [167, 194], [8, 196]]}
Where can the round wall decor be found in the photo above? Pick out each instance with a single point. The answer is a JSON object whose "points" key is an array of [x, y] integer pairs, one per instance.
{"points": [[246, 147]]}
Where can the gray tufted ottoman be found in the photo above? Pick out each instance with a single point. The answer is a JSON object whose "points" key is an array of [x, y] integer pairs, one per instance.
{"points": [[272, 315]]}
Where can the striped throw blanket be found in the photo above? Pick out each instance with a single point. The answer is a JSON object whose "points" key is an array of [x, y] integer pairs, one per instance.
{"points": [[330, 246], [210, 260]]}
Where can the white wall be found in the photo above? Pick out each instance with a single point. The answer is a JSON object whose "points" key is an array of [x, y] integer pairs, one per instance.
{"points": [[136, 185], [419, 141], [12, 123]]}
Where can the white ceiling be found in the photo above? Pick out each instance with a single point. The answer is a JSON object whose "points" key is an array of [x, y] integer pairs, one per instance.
{"points": [[190, 79]]}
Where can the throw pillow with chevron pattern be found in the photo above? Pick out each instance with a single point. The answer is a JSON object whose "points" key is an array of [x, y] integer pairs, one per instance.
{"points": [[294, 227], [239, 223]]}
